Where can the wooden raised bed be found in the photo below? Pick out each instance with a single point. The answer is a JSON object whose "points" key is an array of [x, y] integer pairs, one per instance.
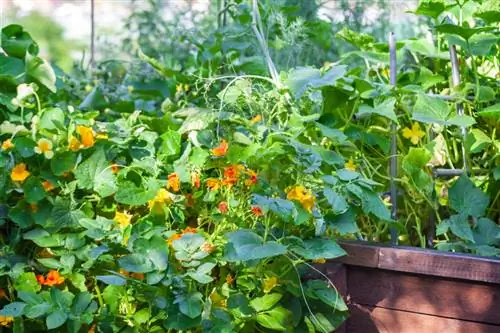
{"points": [[409, 290]]}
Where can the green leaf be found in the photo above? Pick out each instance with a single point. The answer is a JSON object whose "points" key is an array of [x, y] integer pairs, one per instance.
{"points": [[465, 33], [337, 201], [274, 319], [44, 239], [63, 215], [486, 232], [337, 136], [114, 280], [466, 199], [327, 294], [384, 109], [319, 248], [95, 173], [372, 203], [95, 100], [37, 310], [24, 146], [301, 79], [56, 319], [360, 40], [430, 110], [427, 49], [16, 42], [489, 11], [492, 111], [135, 263], [477, 141], [414, 164], [14, 309], [431, 8], [188, 248], [281, 207], [27, 282], [52, 119], [265, 302], [245, 245], [170, 145], [62, 162], [460, 226], [190, 304], [129, 193], [33, 190], [483, 44], [344, 223], [41, 71]]}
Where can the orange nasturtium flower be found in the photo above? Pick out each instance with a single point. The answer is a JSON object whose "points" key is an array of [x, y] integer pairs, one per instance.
{"points": [[213, 184], [7, 144], [415, 134], [301, 194], [174, 183], [53, 278], [6, 320], [19, 173], [221, 150], [195, 180], [257, 211], [350, 165], [86, 135], [122, 218], [229, 279], [256, 119], [44, 146], [3, 294], [47, 186]]}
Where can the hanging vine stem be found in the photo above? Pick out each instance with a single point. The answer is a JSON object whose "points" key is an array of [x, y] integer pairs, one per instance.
{"points": [[92, 34], [259, 33]]}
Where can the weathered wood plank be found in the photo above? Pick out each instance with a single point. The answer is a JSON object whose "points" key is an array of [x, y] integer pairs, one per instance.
{"points": [[425, 294], [421, 261], [366, 319]]}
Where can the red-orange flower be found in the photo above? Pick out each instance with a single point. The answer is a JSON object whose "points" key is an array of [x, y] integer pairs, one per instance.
{"points": [[174, 182], [257, 211], [189, 230], [223, 208], [221, 150], [40, 279], [252, 178], [229, 279], [172, 238], [195, 180], [53, 278], [115, 168], [47, 186]]}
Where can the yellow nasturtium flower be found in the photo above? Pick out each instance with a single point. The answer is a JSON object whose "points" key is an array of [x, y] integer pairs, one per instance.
{"points": [[44, 146], [74, 144], [350, 165], [6, 320], [19, 173], [269, 283], [301, 194], [415, 134], [7, 144], [122, 218], [163, 197]]}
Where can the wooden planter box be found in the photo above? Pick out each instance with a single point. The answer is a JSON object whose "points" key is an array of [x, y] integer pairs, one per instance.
{"points": [[409, 290]]}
